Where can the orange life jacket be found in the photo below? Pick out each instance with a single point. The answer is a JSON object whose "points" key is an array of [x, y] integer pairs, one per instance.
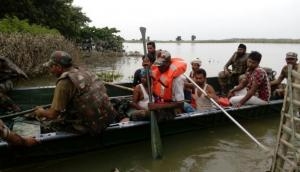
{"points": [[162, 82]]}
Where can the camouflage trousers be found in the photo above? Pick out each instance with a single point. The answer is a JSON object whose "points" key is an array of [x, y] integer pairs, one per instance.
{"points": [[227, 81]]}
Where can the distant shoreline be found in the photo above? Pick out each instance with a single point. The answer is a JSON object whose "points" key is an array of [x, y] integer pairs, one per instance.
{"points": [[234, 40]]}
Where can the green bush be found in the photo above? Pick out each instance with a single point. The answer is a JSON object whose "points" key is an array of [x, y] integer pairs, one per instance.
{"points": [[13, 25], [30, 51]]}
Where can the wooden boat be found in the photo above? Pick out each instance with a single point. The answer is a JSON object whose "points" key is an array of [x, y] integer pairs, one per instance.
{"points": [[58, 144]]}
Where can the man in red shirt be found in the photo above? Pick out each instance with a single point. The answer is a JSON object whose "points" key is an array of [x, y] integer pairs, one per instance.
{"points": [[257, 84]]}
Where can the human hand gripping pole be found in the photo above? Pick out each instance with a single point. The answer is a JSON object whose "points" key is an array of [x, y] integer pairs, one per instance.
{"points": [[155, 135], [265, 148], [23, 112]]}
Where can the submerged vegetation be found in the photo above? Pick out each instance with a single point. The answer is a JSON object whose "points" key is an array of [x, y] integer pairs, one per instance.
{"points": [[109, 76]]}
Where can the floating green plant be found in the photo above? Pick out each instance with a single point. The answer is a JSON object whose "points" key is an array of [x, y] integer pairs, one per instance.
{"points": [[109, 76]]}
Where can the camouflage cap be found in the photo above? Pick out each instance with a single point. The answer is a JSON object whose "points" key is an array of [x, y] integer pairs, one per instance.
{"points": [[163, 56], [291, 55], [59, 57]]}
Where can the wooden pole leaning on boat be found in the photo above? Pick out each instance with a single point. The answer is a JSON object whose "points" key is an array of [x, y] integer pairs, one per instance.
{"points": [[156, 145], [23, 112], [118, 86], [229, 116]]}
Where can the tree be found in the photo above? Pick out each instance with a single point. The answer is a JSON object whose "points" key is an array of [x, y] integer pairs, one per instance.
{"points": [[104, 37], [178, 38], [193, 37], [13, 25], [55, 14], [62, 16]]}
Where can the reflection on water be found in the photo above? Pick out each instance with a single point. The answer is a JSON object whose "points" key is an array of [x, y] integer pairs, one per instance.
{"points": [[224, 149], [124, 67]]}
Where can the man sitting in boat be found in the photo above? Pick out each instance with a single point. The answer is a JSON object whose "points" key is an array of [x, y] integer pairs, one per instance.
{"points": [[137, 74], [291, 58], [80, 103], [202, 102], [168, 79], [8, 72], [229, 78], [139, 104], [257, 83], [189, 87], [14, 139]]}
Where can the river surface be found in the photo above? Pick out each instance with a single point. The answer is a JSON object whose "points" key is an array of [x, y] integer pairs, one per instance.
{"points": [[220, 149], [213, 56]]}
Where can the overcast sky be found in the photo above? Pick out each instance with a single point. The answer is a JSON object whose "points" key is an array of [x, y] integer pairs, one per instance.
{"points": [[207, 19]]}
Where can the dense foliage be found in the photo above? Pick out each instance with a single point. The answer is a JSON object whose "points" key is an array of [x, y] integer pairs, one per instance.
{"points": [[103, 38], [55, 14], [49, 15], [13, 25]]}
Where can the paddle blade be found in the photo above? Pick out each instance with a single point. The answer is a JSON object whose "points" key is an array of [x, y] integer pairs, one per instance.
{"points": [[155, 139], [143, 32]]}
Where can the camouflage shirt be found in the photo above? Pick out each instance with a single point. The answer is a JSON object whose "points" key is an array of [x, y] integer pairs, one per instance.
{"points": [[82, 100], [239, 64], [284, 71]]}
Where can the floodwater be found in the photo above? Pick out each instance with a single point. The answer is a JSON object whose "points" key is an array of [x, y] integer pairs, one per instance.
{"points": [[213, 56], [219, 149]]}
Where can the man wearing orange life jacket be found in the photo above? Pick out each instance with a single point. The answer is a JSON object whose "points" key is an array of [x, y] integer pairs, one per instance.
{"points": [[168, 79]]}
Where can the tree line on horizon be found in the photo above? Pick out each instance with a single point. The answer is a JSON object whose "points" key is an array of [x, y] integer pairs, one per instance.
{"points": [[231, 40]]}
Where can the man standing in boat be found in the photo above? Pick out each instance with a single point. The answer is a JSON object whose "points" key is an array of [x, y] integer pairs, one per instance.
{"points": [[80, 103], [257, 83], [291, 59], [229, 78]]}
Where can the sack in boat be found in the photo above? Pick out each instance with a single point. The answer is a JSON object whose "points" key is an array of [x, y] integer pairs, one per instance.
{"points": [[224, 101]]}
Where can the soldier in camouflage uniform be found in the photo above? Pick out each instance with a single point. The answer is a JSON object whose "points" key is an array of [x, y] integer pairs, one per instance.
{"points": [[291, 59], [8, 72], [229, 78], [80, 103]]}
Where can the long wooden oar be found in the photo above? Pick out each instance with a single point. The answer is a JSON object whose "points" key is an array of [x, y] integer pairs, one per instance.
{"points": [[229, 116], [118, 86], [22, 113], [155, 135]]}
